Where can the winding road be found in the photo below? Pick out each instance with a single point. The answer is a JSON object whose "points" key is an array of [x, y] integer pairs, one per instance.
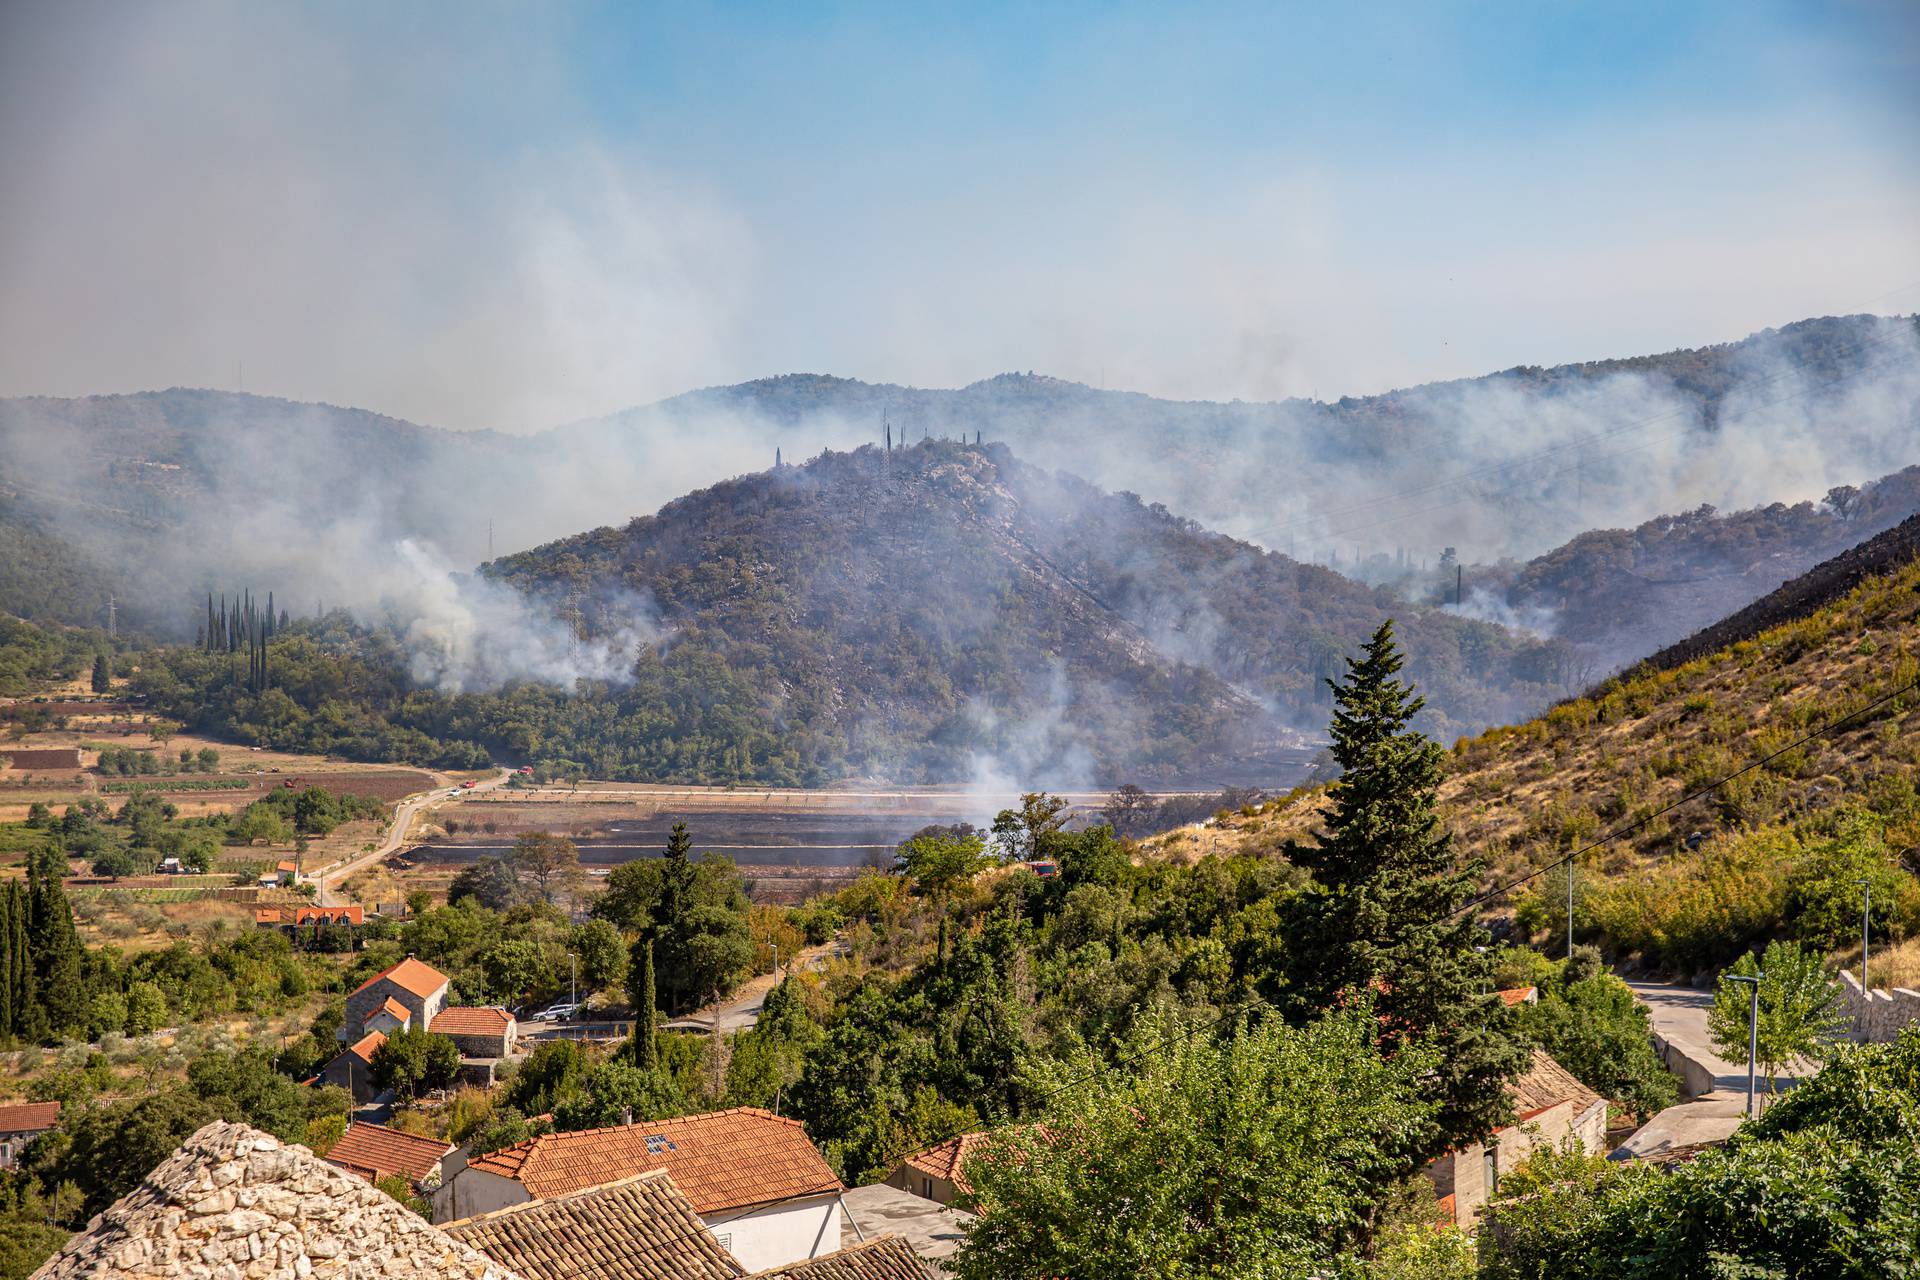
{"points": [[328, 879]]}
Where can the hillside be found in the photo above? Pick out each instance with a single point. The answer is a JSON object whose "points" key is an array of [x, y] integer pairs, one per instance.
{"points": [[947, 599], [1622, 593], [1684, 888], [174, 493]]}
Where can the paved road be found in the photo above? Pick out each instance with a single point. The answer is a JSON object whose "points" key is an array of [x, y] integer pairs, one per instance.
{"points": [[1716, 1088], [328, 879]]}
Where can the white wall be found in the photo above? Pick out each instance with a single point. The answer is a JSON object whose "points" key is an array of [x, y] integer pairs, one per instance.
{"points": [[785, 1233]]}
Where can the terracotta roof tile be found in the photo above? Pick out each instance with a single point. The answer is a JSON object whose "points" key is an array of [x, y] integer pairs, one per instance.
{"points": [[394, 1007], [28, 1117], [882, 1258], [946, 1160], [639, 1228], [471, 1020], [411, 975], [267, 915], [1548, 1084], [720, 1160], [364, 1047], [331, 915], [1519, 995], [386, 1151]]}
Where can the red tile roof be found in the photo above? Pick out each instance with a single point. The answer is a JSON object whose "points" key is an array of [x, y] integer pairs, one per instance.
{"points": [[1519, 995], [374, 1151], [471, 1020], [946, 1160], [266, 915], [28, 1117], [288, 866], [409, 975], [364, 1047], [331, 915], [394, 1007], [721, 1160]]}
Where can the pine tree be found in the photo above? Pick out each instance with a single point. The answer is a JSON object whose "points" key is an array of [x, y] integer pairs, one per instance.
{"points": [[102, 673], [677, 876], [1389, 915]]}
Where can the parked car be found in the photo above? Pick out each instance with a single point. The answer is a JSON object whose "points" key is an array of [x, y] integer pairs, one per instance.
{"points": [[557, 1012]]}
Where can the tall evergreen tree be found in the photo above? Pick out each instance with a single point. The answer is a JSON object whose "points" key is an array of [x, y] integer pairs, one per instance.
{"points": [[1388, 917], [646, 1044], [102, 681], [58, 961]]}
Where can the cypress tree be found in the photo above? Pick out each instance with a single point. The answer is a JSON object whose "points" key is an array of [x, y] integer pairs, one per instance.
{"points": [[58, 964], [6, 961], [1388, 916], [646, 1051]]}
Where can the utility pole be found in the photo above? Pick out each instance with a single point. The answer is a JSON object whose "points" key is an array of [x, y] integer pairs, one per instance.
{"points": [[573, 989], [112, 617], [1753, 1038], [1866, 914], [1569, 908]]}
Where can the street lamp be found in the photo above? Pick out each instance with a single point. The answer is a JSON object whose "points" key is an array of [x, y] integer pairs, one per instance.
{"points": [[1866, 914], [1753, 1037]]}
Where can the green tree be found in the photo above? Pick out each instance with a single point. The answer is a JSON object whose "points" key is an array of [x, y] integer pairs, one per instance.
{"points": [[414, 1060], [1590, 1022], [1390, 915], [1262, 1153], [645, 1001], [550, 1075], [512, 968], [58, 959], [146, 1008], [1023, 832], [1799, 1015], [114, 863], [102, 673], [109, 1149], [545, 864], [602, 955], [615, 1092], [941, 866], [488, 882], [246, 1082]]}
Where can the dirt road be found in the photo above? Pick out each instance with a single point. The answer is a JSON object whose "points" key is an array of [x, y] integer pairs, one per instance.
{"points": [[328, 879]]}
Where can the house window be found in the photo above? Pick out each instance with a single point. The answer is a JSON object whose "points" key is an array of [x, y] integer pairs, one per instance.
{"points": [[929, 1191], [1491, 1165], [726, 1241]]}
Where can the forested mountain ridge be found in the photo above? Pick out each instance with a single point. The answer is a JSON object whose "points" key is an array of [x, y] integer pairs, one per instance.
{"points": [[176, 492], [1621, 592], [947, 594], [1750, 859]]}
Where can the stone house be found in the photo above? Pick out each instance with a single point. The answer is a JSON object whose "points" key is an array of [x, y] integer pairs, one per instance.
{"points": [[1549, 1107], [753, 1177], [481, 1032], [410, 988], [21, 1123], [939, 1172], [352, 1067]]}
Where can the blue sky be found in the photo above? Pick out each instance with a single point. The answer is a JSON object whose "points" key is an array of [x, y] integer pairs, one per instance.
{"points": [[513, 215]]}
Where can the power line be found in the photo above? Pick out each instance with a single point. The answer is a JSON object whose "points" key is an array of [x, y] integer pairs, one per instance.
{"points": [[1830, 727]]}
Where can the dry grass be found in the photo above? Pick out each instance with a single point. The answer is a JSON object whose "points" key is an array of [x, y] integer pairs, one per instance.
{"points": [[1521, 796]]}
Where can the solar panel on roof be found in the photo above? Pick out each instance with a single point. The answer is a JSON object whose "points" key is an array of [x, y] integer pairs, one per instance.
{"points": [[659, 1142]]}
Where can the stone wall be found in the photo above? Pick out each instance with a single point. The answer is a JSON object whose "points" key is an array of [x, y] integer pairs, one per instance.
{"points": [[1876, 1017], [237, 1204]]}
